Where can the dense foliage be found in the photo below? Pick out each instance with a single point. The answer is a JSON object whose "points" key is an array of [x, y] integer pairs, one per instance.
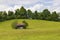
{"points": [[15, 25], [22, 13], [26, 24]]}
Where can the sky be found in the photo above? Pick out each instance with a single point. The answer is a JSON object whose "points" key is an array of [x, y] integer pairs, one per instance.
{"points": [[39, 5]]}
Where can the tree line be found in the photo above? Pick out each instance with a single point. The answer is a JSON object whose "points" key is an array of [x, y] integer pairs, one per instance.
{"points": [[22, 13]]}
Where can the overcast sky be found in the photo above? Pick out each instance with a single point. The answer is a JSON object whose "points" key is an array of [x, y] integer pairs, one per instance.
{"points": [[52, 5]]}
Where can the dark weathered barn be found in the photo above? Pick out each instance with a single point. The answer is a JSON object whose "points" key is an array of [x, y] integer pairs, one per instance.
{"points": [[20, 26]]}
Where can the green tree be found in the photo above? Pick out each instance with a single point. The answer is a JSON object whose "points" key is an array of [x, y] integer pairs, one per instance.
{"points": [[54, 16], [1, 14], [29, 12], [17, 12], [59, 16], [23, 13], [36, 15], [45, 15], [4, 15], [40, 15], [11, 15]]}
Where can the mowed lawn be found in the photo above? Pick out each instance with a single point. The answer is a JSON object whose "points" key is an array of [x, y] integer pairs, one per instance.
{"points": [[37, 30]]}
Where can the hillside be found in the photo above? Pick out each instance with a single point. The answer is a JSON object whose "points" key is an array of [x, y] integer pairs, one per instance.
{"points": [[37, 30]]}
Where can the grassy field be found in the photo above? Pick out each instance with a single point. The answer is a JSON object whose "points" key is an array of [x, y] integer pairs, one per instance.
{"points": [[37, 30]]}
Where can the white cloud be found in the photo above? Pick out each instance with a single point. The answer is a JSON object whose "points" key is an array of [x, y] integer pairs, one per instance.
{"points": [[23, 2], [32, 4], [56, 5], [14, 4], [36, 7], [19, 3], [3, 7], [57, 9], [9, 8], [13, 8]]}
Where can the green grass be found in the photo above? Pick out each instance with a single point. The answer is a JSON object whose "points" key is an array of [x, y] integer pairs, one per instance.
{"points": [[37, 30]]}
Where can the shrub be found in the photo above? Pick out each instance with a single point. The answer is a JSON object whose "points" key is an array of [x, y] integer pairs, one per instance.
{"points": [[26, 24], [14, 25]]}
